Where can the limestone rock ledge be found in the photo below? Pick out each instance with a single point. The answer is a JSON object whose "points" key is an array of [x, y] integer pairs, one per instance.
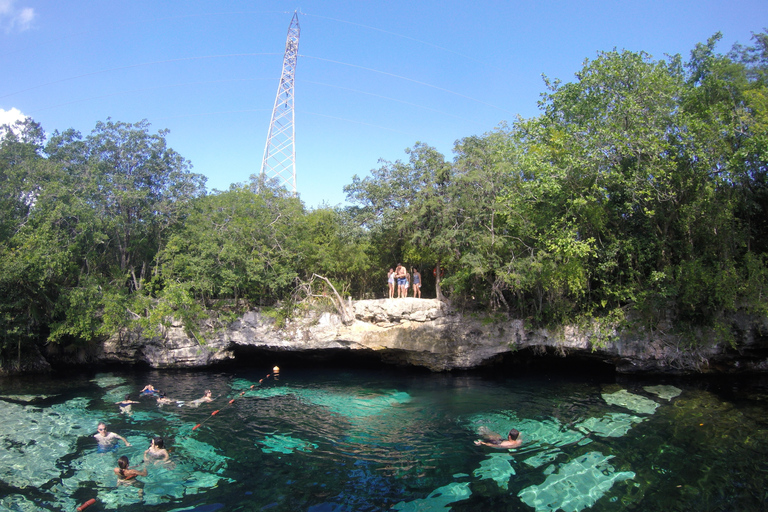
{"points": [[428, 333]]}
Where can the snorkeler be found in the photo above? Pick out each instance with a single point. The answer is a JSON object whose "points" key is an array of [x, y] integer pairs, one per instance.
{"points": [[205, 398], [494, 440], [108, 440], [156, 451], [164, 400], [127, 476]]}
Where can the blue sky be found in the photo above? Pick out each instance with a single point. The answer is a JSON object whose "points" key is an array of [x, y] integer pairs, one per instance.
{"points": [[372, 78]]}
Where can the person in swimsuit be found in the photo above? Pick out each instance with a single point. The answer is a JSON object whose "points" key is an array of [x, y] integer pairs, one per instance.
{"points": [[205, 398], [400, 274], [127, 476], [125, 405], [164, 400], [108, 441], [156, 451], [149, 389], [494, 440], [416, 283], [391, 283]]}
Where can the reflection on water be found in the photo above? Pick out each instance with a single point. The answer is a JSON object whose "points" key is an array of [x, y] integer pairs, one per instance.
{"points": [[385, 440]]}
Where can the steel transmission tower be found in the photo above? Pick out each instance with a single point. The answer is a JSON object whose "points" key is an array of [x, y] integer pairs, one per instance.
{"points": [[280, 151]]}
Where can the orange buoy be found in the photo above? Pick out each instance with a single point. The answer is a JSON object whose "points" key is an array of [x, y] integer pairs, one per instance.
{"points": [[86, 505], [232, 401], [196, 426], [214, 413]]}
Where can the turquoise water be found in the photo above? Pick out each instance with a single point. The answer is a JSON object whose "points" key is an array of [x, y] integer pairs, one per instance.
{"points": [[368, 440]]}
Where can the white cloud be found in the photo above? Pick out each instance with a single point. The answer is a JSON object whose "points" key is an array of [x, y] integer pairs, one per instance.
{"points": [[14, 18], [9, 116]]}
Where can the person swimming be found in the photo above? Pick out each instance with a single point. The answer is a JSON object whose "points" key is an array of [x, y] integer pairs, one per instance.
{"points": [[494, 440], [205, 398], [127, 476], [156, 451], [125, 405], [149, 390], [164, 400], [108, 441]]}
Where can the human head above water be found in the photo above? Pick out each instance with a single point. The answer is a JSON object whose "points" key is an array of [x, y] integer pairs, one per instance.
{"points": [[513, 435], [159, 443], [122, 462], [101, 426]]}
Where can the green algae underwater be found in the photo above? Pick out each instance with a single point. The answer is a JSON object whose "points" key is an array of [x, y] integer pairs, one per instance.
{"points": [[342, 439]]}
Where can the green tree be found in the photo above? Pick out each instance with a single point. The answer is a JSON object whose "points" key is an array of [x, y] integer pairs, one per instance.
{"points": [[405, 204], [138, 186], [238, 244]]}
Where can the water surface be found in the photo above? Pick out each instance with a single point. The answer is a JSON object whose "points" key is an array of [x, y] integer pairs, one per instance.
{"points": [[326, 440]]}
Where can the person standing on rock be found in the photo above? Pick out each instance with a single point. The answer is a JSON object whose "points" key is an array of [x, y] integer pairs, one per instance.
{"points": [[416, 283], [400, 274], [391, 283]]}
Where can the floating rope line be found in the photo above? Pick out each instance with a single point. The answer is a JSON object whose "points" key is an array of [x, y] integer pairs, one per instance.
{"points": [[274, 374]]}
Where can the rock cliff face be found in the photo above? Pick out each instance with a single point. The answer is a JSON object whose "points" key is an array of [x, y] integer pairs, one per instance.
{"points": [[428, 333]]}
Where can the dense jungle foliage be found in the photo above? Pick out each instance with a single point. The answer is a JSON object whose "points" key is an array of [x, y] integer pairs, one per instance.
{"points": [[641, 187]]}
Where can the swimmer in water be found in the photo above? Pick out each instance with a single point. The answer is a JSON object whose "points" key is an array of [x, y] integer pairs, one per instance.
{"points": [[149, 389], [125, 405], [127, 476], [156, 451], [205, 398], [494, 440], [164, 400], [108, 441]]}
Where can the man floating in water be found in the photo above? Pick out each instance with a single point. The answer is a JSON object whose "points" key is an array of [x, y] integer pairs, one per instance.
{"points": [[494, 440]]}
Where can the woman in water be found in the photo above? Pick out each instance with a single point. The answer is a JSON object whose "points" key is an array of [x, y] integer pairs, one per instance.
{"points": [[127, 476], [125, 405], [149, 389], [156, 451], [164, 400]]}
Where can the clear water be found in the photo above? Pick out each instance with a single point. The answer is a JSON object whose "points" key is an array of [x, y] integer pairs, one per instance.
{"points": [[369, 440]]}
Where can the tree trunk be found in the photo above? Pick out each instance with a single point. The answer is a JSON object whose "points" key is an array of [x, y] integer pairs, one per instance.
{"points": [[346, 316]]}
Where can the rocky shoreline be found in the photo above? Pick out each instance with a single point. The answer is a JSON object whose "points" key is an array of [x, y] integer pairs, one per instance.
{"points": [[430, 334]]}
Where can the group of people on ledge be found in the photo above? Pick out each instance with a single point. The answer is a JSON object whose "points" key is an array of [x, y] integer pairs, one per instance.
{"points": [[400, 277]]}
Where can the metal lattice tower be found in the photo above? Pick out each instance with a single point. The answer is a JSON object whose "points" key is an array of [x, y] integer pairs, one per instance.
{"points": [[280, 151]]}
